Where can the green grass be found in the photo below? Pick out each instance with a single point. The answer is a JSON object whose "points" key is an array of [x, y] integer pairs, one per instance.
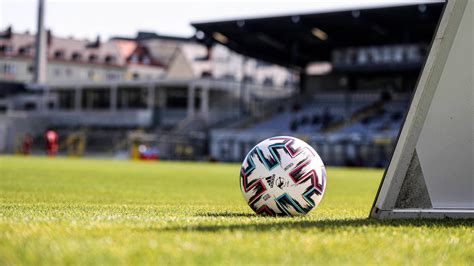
{"points": [[72, 211]]}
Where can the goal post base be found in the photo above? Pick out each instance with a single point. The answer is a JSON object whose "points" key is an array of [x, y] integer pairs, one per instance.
{"points": [[422, 214]]}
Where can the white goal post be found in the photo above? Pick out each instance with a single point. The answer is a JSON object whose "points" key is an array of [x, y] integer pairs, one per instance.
{"points": [[431, 171]]}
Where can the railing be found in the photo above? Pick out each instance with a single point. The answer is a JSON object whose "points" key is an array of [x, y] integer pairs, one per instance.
{"points": [[89, 118], [253, 89], [171, 117]]}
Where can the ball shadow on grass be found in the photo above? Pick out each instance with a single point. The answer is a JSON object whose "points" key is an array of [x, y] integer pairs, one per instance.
{"points": [[226, 214], [237, 222]]}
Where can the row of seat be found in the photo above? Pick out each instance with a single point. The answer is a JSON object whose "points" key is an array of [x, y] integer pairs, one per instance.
{"points": [[326, 110]]}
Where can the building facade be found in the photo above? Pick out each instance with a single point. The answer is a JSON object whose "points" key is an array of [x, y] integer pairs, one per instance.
{"points": [[72, 60]]}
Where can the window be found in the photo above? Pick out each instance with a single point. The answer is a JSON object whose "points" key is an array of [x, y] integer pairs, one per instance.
{"points": [[31, 69], [398, 54], [91, 74], [66, 99], [201, 58], [57, 71], [386, 54], [247, 78], [113, 76], [336, 57], [130, 98], [146, 60], [59, 54], [29, 106], [133, 59], [8, 68], [93, 58], [24, 51], [76, 56], [11, 69], [110, 59], [362, 56], [5, 49], [176, 101], [268, 81], [68, 72], [95, 99]]}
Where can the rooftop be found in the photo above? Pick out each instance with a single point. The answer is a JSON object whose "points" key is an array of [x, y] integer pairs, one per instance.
{"points": [[299, 39]]}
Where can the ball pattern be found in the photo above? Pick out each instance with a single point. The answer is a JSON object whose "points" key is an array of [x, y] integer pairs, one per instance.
{"points": [[282, 176]]}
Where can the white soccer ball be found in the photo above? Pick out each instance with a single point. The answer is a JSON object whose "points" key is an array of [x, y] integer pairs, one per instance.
{"points": [[282, 176]]}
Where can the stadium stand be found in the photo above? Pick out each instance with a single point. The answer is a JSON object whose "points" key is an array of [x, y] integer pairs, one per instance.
{"points": [[354, 85], [319, 114], [386, 120], [356, 129]]}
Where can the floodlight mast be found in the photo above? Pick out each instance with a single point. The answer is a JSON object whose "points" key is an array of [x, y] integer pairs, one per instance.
{"points": [[41, 52]]}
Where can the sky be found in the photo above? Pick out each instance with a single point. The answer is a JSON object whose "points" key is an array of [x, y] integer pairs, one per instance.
{"points": [[90, 18]]}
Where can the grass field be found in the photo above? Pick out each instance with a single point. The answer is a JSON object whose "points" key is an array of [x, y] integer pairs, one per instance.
{"points": [[73, 211]]}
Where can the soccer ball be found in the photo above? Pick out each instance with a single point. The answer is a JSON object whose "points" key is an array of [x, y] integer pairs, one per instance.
{"points": [[282, 176]]}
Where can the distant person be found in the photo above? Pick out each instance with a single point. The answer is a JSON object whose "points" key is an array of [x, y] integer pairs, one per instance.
{"points": [[27, 143], [386, 96], [296, 107], [51, 138], [304, 120], [327, 118], [293, 125], [316, 119], [280, 109]]}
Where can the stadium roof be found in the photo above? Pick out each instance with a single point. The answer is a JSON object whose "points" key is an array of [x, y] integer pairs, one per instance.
{"points": [[297, 40], [144, 35]]}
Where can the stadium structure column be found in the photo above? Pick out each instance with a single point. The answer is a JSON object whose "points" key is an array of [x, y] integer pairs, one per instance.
{"points": [[295, 50], [205, 102], [77, 98], [191, 96], [303, 79], [150, 96], [45, 99], [113, 97], [244, 95], [162, 97]]}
